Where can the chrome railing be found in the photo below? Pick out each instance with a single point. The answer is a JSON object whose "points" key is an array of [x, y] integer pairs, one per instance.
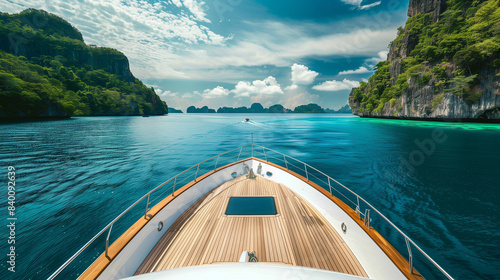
{"points": [[253, 150], [326, 183], [167, 188]]}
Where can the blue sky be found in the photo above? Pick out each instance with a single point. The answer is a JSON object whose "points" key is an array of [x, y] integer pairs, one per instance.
{"points": [[236, 52]]}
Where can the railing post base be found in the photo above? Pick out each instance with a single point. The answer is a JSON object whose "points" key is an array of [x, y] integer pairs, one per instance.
{"points": [[107, 242], [410, 255], [367, 218], [147, 208], [173, 189]]}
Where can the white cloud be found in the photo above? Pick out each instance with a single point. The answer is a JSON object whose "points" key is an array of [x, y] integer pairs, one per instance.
{"points": [[302, 98], [292, 97], [215, 93], [177, 100], [278, 44], [268, 86], [154, 38], [336, 85], [296, 96], [365, 7], [357, 3], [162, 42], [360, 70], [196, 8], [382, 56], [165, 94], [301, 75], [177, 3], [266, 90], [291, 87]]}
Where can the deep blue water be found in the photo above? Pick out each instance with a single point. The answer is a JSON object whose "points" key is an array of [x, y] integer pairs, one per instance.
{"points": [[74, 176]]}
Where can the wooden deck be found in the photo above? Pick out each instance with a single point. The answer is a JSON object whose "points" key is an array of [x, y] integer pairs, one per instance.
{"points": [[298, 235]]}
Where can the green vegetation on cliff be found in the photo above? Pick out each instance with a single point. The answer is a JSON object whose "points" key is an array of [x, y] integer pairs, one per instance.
{"points": [[449, 54], [258, 108], [173, 110], [254, 108], [46, 70], [204, 109], [310, 108], [344, 110], [278, 108]]}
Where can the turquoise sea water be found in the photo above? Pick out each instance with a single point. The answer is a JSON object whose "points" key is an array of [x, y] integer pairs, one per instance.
{"points": [[439, 182]]}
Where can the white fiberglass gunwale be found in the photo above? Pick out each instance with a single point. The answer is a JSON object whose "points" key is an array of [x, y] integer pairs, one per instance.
{"points": [[311, 175]]}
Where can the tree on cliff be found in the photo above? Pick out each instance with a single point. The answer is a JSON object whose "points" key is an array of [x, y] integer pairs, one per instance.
{"points": [[46, 70], [204, 109], [257, 108], [445, 47], [278, 108], [310, 108]]}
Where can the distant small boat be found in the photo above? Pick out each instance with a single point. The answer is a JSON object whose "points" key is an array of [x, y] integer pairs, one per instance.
{"points": [[145, 116], [247, 120]]}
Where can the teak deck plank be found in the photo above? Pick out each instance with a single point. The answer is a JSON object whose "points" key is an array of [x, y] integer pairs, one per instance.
{"points": [[297, 235]]}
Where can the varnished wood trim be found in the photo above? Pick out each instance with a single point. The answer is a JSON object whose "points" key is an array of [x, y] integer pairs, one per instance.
{"points": [[100, 264], [385, 245], [301, 236]]}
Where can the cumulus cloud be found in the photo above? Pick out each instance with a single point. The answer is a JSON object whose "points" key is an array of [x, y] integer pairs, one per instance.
{"points": [[296, 96], [177, 100], [266, 90], [382, 56], [275, 43], [173, 39], [370, 63], [196, 8], [301, 75], [215, 93], [358, 4], [291, 87], [177, 3], [268, 86], [281, 45], [336, 85], [154, 36], [360, 70], [164, 95]]}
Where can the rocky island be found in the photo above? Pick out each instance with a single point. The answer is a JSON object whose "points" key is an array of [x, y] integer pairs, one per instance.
{"points": [[443, 65], [343, 110], [257, 108], [47, 71], [202, 110], [173, 110]]}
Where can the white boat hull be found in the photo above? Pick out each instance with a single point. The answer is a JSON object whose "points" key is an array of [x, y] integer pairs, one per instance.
{"points": [[374, 261]]}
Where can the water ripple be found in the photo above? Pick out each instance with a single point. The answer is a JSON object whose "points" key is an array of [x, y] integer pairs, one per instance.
{"points": [[71, 184]]}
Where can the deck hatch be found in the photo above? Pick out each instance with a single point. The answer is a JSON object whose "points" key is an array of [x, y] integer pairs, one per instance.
{"points": [[251, 205]]}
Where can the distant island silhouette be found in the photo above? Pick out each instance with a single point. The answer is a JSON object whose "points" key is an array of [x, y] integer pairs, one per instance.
{"points": [[173, 110], [277, 108]]}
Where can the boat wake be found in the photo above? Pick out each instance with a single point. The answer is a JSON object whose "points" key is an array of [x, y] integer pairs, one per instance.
{"points": [[257, 124]]}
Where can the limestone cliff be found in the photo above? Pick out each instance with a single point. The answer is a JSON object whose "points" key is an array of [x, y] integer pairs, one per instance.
{"points": [[44, 34], [444, 65], [426, 6], [47, 71]]}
